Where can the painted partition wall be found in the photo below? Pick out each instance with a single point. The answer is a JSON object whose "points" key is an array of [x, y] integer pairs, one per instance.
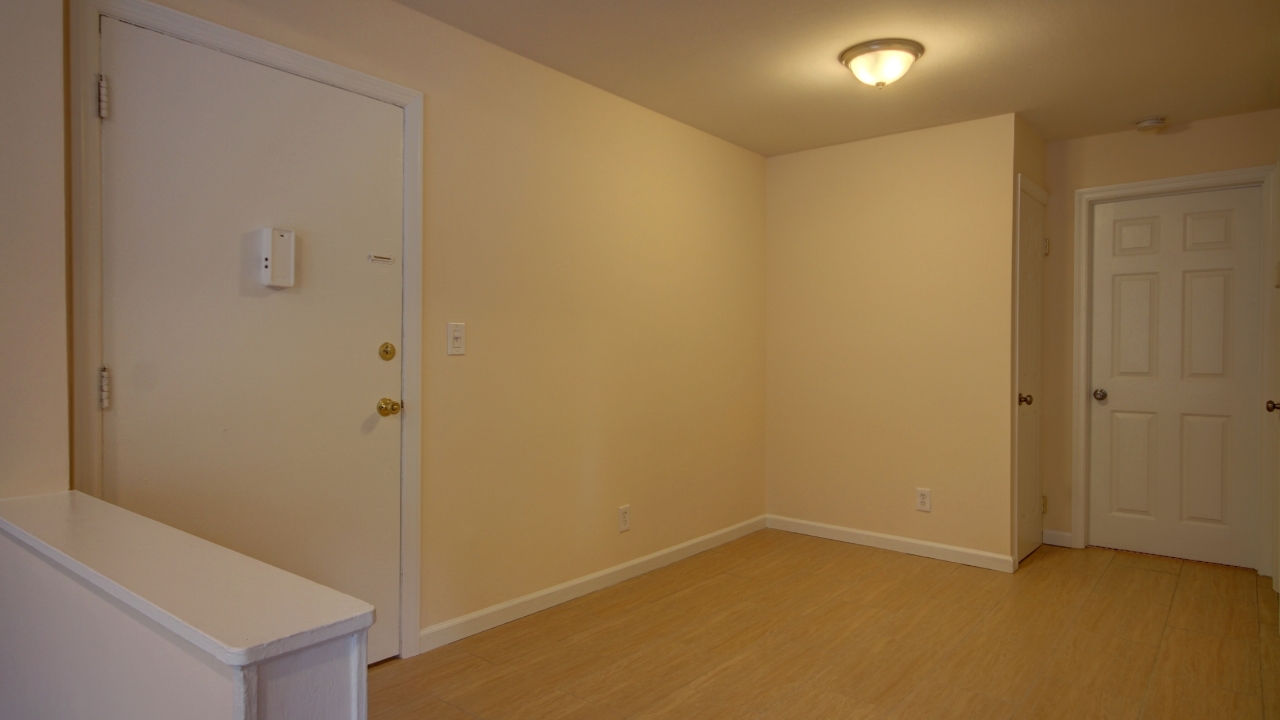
{"points": [[34, 446], [107, 615], [889, 331], [609, 265], [1029, 152]]}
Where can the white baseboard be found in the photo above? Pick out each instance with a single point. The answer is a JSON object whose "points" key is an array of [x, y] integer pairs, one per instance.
{"points": [[938, 551], [450, 630], [1061, 538]]}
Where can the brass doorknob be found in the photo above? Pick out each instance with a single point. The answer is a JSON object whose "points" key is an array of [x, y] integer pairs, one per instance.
{"points": [[1025, 399], [387, 406], [1099, 394], [1272, 406]]}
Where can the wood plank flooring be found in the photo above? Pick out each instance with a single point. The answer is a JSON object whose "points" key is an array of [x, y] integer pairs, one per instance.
{"points": [[783, 626]]}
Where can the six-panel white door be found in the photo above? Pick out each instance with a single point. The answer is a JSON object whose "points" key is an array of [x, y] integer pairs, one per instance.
{"points": [[1176, 348], [240, 413]]}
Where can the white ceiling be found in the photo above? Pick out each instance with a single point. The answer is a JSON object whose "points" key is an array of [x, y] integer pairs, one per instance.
{"points": [[763, 73]]}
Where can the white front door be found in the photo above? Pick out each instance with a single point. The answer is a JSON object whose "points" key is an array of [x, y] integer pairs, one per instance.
{"points": [[1031, 235], [1176, 350], [241, 413]]}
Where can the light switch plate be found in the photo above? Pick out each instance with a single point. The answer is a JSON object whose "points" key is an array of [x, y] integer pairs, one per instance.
{"points": [[457, 338]]}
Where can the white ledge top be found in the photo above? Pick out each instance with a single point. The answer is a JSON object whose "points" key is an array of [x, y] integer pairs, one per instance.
{"points": [[237, 609]]}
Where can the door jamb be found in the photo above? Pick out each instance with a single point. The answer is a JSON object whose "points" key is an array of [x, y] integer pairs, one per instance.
{"points": [[1024, 184], [86, 228], [1086, 199]]}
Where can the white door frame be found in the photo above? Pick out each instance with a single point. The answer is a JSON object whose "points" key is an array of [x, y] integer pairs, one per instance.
{"points": [[1081, 382], [86, 250], [1024, 184]]}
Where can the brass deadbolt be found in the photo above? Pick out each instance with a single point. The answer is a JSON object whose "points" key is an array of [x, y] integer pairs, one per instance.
{"points": [[387, 351], [387, 406]]}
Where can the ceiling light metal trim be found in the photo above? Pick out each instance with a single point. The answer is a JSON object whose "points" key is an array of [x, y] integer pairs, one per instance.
{"points": [[1150, 124], [915, 49]]}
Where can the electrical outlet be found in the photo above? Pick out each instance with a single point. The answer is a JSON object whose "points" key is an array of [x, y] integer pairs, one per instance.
{"points": [[923, 501], [624, 518]]}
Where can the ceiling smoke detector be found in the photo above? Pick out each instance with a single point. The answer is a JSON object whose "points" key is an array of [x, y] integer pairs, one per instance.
{"points": [[880, 62], [1151, 124]]}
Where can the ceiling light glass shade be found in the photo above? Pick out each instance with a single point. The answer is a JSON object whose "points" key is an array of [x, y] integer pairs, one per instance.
{"points": [[880, 62]]}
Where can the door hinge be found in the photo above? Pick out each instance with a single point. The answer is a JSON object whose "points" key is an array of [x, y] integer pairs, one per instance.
{"points": [[1044, 504], [1046, 247], [103, 108], [104, 388]]}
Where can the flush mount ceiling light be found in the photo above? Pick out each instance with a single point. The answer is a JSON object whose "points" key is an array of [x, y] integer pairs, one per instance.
{"points": [[880, 62]]}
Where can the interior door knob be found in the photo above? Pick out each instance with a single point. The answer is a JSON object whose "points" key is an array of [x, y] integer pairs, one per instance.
{"points": [[387, 406], [1272, 406], [1025, 399], [1099, 394]]}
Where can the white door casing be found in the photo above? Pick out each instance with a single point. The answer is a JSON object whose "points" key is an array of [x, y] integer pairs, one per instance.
{"points": [[383, 518], [1270, 495], [1028, 396], [1176, 345]]}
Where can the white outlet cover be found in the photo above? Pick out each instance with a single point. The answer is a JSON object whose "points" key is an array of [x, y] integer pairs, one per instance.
{"points": [[924, 503], [624, 518]]}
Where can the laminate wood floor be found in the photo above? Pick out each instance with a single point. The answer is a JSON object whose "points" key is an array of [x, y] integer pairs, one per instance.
{"points": [[777, 625]]}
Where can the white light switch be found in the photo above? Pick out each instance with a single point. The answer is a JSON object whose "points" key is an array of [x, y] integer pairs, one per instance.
{"points": [[277, 252], [457, 338]]}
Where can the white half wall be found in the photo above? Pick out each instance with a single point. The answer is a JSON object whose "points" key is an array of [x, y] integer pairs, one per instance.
{"points": [[72, 651], [107, 615]]}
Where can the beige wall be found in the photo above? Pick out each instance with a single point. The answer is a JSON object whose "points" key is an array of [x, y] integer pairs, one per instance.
{"points": [[889, 334], [1228, 143], [1028, 153], [34, 454], [609, 264]]}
